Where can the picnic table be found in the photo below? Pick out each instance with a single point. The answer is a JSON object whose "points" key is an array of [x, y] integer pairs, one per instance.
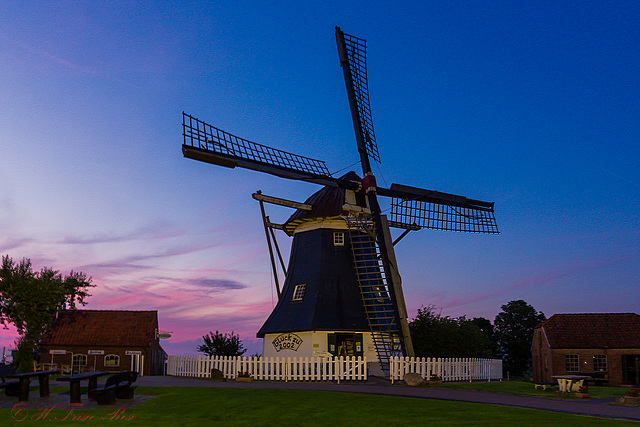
{"points": [[25, 379], [74, 381], [569, 383]]}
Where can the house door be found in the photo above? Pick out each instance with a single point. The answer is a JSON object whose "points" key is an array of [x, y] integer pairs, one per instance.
{"points": [[631, 369], [137, 363]]}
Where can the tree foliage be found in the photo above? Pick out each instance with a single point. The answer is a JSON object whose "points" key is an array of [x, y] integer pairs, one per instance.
{"points": [[219, 344], [29, 300], [434, 335], [513, 329], [487, 329]]}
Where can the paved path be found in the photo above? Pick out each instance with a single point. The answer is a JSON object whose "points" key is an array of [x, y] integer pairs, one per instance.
{"points": [[596, 408]]}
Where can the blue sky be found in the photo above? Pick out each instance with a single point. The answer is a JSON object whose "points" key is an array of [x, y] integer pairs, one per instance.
{"points": [[533, 106]]}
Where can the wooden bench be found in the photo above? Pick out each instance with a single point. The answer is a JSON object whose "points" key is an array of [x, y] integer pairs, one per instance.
{"points": [[74, 383], [597, 378], [25, 378], [10, 387], [544, 386], [118, 386]]}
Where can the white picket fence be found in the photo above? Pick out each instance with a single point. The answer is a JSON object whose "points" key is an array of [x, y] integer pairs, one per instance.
{"points": [[271, 368], [447, 369]]}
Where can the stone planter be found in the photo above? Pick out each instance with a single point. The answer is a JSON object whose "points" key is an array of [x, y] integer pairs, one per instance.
{"points": [[244, 379], [582, 395], [628, 401], [435, 382]]}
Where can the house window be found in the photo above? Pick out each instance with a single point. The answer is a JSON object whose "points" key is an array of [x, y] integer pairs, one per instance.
{"points": [[338, 239], [572, 363], [600, 363], [298, 292], [112, 360], [79, 360]]}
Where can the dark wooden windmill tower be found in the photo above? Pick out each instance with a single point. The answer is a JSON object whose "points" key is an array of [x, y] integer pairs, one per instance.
{"points": [[342, 293]]}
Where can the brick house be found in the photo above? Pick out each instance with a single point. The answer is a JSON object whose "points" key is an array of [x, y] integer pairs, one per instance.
{"points": [[603, 345], [105, 340]]}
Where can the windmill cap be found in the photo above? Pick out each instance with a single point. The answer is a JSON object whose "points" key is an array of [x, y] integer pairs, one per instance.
{"points": [[327, 203]]}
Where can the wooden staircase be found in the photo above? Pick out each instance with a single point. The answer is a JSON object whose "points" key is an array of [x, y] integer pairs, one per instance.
{"points": [[372, 283]]}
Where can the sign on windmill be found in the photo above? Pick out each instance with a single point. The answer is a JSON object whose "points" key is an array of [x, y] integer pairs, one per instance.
{"points": [[342, 293]]}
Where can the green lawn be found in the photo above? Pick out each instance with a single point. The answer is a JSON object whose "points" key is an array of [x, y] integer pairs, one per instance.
{"points": [[524, 388], [193, 406]]}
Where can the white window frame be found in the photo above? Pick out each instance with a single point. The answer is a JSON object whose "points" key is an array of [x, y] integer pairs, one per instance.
{"points": [[298, 292], [112, 357], [600, 363], [572, 363], [338, 238], [77, 358]]}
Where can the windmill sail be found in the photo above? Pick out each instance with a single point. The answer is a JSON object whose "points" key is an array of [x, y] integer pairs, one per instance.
{"points": [[207, 143], [353, 58], [407, 213], [417, 207]]}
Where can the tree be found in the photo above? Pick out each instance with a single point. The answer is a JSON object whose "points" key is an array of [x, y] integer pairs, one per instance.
{"points": [[487, 329], [434, 335], [220, 344], [513, 329], [29, 300]]}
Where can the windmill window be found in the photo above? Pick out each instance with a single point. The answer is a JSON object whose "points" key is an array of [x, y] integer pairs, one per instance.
{"points": [[298, 292], [112, 360], [338, 239], [377, 292]]}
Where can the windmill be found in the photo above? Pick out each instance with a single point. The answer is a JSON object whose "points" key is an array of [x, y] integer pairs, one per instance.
{"points": [[342, 293]]}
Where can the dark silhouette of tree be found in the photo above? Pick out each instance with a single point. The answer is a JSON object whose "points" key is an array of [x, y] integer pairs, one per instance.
{"points": [[487, 329], [29, 300], [434, 335], [219, 344], [513, 329]]}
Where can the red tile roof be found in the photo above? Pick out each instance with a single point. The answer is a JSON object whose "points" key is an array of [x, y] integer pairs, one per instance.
{"points": [[593, 330], [103, 327]]}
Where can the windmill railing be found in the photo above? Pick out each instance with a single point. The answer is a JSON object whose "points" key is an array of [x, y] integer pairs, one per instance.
{"points": [[446, 369], [271, 368]]}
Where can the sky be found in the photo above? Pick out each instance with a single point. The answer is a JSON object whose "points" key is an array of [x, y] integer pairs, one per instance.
{"points": [[531, 105]]}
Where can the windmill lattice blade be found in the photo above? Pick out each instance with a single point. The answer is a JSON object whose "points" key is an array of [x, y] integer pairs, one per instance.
{"points": [[357, 60], [436, 216], [229, 150]]}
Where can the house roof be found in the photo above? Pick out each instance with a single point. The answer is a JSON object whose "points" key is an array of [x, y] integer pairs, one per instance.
{"points": [[103, 328], [593, 330]]}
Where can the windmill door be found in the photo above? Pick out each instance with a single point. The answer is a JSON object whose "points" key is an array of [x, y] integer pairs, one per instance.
{"points": [[346, 345]]}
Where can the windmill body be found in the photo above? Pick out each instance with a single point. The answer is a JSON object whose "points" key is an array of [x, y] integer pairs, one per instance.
{"points": [[320, 310], [342, 294]]}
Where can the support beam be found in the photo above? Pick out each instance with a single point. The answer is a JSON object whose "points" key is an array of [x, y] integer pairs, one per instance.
{"points": [[275, 243], [273, 262], [404, 233], [397, 288], [282, 202]]}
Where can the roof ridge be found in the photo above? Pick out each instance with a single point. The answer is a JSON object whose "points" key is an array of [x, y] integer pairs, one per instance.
{"points": [[121, 311]]}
